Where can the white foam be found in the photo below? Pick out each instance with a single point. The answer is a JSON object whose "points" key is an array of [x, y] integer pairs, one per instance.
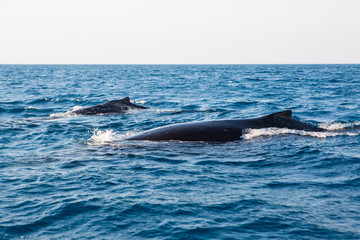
{"points": [[184, 110], [133, 111], [77, 108], [268, 132], [58, 115], [104, 136], [141, 102], [66, 114], [63, 114], [31, 107], [207, 109], [339, 126], [108, 137], [165, 110]]}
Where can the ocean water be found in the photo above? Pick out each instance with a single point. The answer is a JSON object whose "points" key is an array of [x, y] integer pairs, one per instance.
{"points": [[75, 177]]}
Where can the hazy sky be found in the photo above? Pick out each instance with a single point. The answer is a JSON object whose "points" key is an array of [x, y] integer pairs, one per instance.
{"points": [[179, 31]]}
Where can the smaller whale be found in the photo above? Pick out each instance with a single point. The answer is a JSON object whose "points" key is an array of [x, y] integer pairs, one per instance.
{"points": [[222, 130], [110, 107]]}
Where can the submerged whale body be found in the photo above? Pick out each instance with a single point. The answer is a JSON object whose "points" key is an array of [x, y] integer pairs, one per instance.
{"points": [[111, 107], [222, 130]]}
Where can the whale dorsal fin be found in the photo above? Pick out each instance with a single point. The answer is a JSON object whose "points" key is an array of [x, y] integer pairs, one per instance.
{"points": [[126, 100], [284, 114]]}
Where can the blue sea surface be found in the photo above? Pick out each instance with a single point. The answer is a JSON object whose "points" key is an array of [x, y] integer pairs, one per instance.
{"points": [[66, 176]]}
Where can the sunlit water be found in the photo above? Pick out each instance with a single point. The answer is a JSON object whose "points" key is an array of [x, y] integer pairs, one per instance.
{"points": [[75, 177]]}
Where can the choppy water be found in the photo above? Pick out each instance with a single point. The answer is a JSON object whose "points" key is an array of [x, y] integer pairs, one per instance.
{"points": [[74, 177]]}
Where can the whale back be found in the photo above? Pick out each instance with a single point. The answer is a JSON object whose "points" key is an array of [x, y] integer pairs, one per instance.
{"points": [[110, 107], [284, 119], [222, 130], [287, 114]]}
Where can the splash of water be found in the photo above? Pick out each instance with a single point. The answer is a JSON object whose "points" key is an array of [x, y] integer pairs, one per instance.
{"points": [[107, 137]]}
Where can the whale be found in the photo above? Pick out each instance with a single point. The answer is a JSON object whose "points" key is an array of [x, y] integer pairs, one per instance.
{"points": [[121, 106], [222, 130]]}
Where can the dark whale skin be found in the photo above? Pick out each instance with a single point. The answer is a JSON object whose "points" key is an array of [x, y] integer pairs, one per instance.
{"points": [[222, 130], [121, 106]]}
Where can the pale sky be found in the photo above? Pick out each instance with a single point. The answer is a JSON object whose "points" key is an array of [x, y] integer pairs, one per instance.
{"points": [[179, 31]]}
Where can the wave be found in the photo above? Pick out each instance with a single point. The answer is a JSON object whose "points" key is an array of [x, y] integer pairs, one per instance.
{"points": [[62, 211]]}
